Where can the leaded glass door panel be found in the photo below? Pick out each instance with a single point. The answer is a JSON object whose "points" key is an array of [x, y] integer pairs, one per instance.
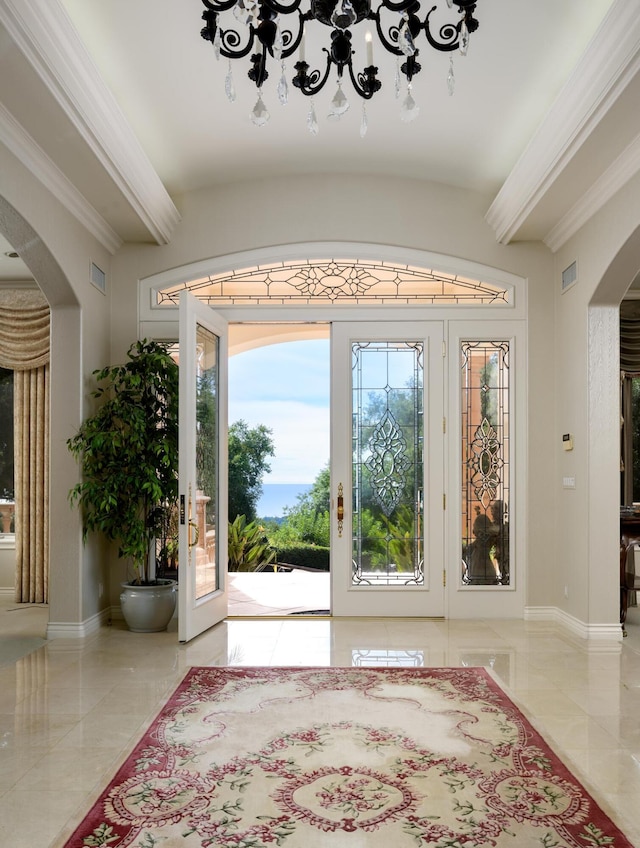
{"points": [[387, 469]]}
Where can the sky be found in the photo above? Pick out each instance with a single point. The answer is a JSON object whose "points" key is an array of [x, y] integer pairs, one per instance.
{"points": [[286, 387]]}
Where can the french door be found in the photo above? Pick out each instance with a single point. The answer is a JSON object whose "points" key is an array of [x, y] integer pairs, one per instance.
{"points": [[387, 468], [202, 589]]}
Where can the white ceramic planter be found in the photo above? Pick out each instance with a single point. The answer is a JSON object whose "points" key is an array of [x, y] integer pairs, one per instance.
{"points": [[148, 609]]}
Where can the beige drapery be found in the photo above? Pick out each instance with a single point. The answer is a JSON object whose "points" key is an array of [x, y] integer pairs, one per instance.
{"points": [[24, 348]]}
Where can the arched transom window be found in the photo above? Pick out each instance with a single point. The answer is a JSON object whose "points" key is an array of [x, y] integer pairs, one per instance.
{"points": [[336, 281]]}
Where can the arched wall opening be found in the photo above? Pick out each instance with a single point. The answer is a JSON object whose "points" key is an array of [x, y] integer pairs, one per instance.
{"points": [[65, 574], [604, 418]]}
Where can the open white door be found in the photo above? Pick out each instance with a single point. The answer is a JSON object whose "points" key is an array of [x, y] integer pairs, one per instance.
{"points": [[202, 575], [387, 464]]}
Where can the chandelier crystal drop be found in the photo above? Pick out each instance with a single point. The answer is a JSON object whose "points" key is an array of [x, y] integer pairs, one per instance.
{"points": [[283, 87], [259, 114], [410, 109], [266, 31], [312, 120], [339, 104], [229, 88], [364, 121]]}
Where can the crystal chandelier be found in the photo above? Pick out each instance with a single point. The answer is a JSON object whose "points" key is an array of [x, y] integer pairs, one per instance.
{"points": [[272, 31]]}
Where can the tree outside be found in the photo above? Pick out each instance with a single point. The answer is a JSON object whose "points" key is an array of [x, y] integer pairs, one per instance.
{"points": [[249, 449]]}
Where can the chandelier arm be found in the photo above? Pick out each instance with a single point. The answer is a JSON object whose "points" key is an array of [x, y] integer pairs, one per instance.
{"points": [[280, 8], [226, 50], [449, 34], [312, 83], [389, 46], [365, 83], [401, 6], [291, 49], [219, 6]]}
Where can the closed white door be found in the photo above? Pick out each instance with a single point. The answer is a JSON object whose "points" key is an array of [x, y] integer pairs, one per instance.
{"points": [[387, 469]]}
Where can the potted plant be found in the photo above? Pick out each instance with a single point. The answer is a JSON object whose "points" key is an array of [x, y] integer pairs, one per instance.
{"points": [[128, 455]]}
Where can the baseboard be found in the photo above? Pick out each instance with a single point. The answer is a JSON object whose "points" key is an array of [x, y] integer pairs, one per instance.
{"points": [[609, 632], [78, 630], [116, 613], [7, 591]]}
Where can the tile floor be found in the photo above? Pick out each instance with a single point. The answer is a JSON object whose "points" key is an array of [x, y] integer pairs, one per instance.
{"points": [[69, 712]]}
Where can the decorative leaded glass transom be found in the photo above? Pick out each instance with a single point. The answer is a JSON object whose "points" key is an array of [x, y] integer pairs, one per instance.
{"points": [[336, 281], [485, 463]]}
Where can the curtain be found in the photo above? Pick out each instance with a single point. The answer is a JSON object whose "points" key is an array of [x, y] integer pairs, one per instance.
{"points": [[24, 348]]}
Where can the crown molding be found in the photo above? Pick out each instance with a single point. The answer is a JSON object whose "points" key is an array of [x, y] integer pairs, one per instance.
{"points": [[625, 167], [33, 157], [45, 34], [608, 65]]}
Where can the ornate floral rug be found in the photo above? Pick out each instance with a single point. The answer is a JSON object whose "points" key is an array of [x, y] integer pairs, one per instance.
{"points": [[316, 757]]}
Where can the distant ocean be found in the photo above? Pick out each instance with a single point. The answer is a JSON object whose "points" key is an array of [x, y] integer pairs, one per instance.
{"points": [[275, 496]]}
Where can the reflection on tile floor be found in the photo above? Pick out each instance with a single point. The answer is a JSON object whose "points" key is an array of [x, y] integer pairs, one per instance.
{"points": [[70, 711]]}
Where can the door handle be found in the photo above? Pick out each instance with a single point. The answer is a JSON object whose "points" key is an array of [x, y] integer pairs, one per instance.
{"points": [[195, 537], [340, 509]]}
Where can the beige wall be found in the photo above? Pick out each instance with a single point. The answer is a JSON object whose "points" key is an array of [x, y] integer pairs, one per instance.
{"points": [[58, 251], [607, 250]]}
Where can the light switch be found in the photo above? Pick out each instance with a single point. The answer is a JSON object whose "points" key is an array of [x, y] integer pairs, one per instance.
{"points": [[568, 482]]}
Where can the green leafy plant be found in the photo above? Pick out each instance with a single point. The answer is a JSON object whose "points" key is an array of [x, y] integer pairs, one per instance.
{"points": [[249, 548], [128, 452]]}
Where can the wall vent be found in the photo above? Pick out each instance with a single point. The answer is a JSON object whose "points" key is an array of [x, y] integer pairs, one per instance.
{"points": [[569, 276], [98, 278]]}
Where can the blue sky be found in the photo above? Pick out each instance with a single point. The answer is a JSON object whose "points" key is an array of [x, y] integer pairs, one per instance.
{"points": [[286, 387]]}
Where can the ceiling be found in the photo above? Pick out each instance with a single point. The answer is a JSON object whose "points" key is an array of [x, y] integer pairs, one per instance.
{"points": [[121, 106]]}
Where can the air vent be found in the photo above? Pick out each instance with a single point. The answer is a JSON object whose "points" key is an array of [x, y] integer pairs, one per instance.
{"points": [[98, 278], [569, 276]]}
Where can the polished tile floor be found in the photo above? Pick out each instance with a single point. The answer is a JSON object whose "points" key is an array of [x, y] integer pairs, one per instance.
{"points": [[70, 712]]}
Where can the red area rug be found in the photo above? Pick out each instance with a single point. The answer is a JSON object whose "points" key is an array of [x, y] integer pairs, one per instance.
{"points": [[304, 758]]}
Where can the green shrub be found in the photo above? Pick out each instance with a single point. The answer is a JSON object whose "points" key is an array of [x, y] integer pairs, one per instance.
{"points": [[309, 556], [249, 548]]}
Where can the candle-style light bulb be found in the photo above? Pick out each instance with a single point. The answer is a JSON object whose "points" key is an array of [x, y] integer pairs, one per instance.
{"points": [[369, 42]]}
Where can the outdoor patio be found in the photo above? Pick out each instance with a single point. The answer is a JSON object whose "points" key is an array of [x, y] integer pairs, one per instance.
{"points": [[282, 593]]}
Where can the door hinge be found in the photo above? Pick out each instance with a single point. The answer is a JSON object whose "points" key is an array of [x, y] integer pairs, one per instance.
{"points": [[444, 577], [444, 502], [444, 349], [444, 425]]}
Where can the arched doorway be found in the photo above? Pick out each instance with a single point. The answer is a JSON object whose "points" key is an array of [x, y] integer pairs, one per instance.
{"points": [[65, 554]]}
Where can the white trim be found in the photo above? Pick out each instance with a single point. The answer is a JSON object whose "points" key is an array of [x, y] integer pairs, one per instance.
{"points": [[18, 141], [603, 189], [607, 66], [43, 31], [78, 630], [608, 632]]}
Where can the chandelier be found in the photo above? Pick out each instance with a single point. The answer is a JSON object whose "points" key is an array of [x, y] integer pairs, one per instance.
{"points": [[270, 31]]}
